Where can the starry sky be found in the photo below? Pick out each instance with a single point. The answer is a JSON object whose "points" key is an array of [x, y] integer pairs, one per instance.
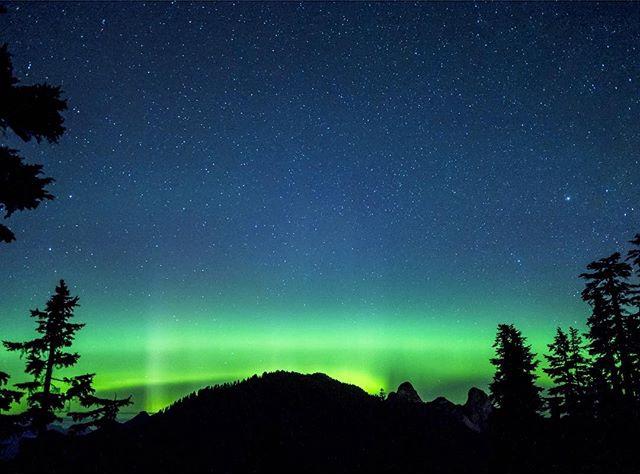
{"points": [[364, 190]]}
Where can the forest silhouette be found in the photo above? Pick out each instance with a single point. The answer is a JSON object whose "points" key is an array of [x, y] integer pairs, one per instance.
{"points": [[586, 422]]}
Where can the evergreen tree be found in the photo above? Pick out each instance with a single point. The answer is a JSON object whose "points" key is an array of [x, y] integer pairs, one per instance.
{"points": [[9, 424], [601, 330], [634, 323], [48, 353], [609, 292], [513, 389], [568, 370], [604, 391], [634, 254], [30, 112], [558, 371], [103, 416], [7, 397], [578, 359], [21, 187]]}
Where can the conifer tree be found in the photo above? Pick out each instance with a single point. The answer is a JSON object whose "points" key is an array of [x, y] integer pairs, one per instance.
{"points": [[604, 368], [32, 111], [7, 396], [568, 370], [610, 293], [558, 371], [9, 424], [48, 353], [513, 389], [634, 323], [104, 415], [634, 254], [577, 358], [21, 187]]}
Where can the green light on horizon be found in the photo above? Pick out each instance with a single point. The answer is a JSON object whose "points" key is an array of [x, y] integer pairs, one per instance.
{"points": [[159, 361]]}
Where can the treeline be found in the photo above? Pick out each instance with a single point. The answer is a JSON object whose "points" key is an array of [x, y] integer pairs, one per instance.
{"points": [[593, 406], [51, 390], [595, 373]]}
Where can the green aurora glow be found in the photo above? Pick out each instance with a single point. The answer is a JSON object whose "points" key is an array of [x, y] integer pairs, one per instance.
{"points": [[159, 363]]}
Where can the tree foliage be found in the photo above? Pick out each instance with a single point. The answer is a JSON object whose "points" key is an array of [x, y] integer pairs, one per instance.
{"points": [[31, 112], [568, 369], [21, 187], [634, 253], [611, 324], [513, 389], [102, 416], [49, 353], [7, 396]]}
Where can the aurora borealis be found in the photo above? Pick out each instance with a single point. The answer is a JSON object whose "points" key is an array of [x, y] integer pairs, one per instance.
{"points": [[364, 190]]}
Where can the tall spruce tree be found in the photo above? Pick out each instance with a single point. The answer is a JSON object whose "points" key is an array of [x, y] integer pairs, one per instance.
{"points": [[606, 384], [568, 370], [578, 359], [513, 389], [48, 353], [32, 111], [610, 293]]}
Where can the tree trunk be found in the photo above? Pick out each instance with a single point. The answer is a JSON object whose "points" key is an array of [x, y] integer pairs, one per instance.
{"points": [[626, 366], [46, 387]]}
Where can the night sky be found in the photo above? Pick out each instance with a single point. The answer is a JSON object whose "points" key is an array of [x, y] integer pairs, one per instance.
{"points": [[364, 190]]}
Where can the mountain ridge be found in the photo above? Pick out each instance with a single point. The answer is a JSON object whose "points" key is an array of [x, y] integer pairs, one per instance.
{"points": [[276, 422]]}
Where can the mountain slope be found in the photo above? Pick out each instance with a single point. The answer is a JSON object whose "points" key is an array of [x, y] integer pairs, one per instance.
{"points": [[280, 422]]}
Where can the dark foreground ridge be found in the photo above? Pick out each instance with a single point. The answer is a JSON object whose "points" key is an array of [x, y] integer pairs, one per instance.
{"points": [[278, 422], [286, 422]]}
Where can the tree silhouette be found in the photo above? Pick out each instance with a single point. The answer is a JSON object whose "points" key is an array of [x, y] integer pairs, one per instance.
{"points": [[609, 292], [30, 112], [605, 375], [513, 389], [21, 187], [103, 416], [634, 253], [8, 423], [633, 323], [568, 369], [7, 396], [47, 353]]}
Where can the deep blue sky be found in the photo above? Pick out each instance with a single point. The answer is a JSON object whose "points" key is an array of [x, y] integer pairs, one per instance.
{"points": [[327, 169]]}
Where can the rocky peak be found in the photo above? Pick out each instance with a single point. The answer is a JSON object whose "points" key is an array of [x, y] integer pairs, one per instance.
{"points": [[405, 393], [477, 408]]}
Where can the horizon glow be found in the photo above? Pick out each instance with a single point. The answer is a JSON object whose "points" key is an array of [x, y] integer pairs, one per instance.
{"points": [[162, 363]]}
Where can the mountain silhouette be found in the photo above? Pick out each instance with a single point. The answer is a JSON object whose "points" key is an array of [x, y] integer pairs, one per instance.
{"points": [[280, 422]]}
